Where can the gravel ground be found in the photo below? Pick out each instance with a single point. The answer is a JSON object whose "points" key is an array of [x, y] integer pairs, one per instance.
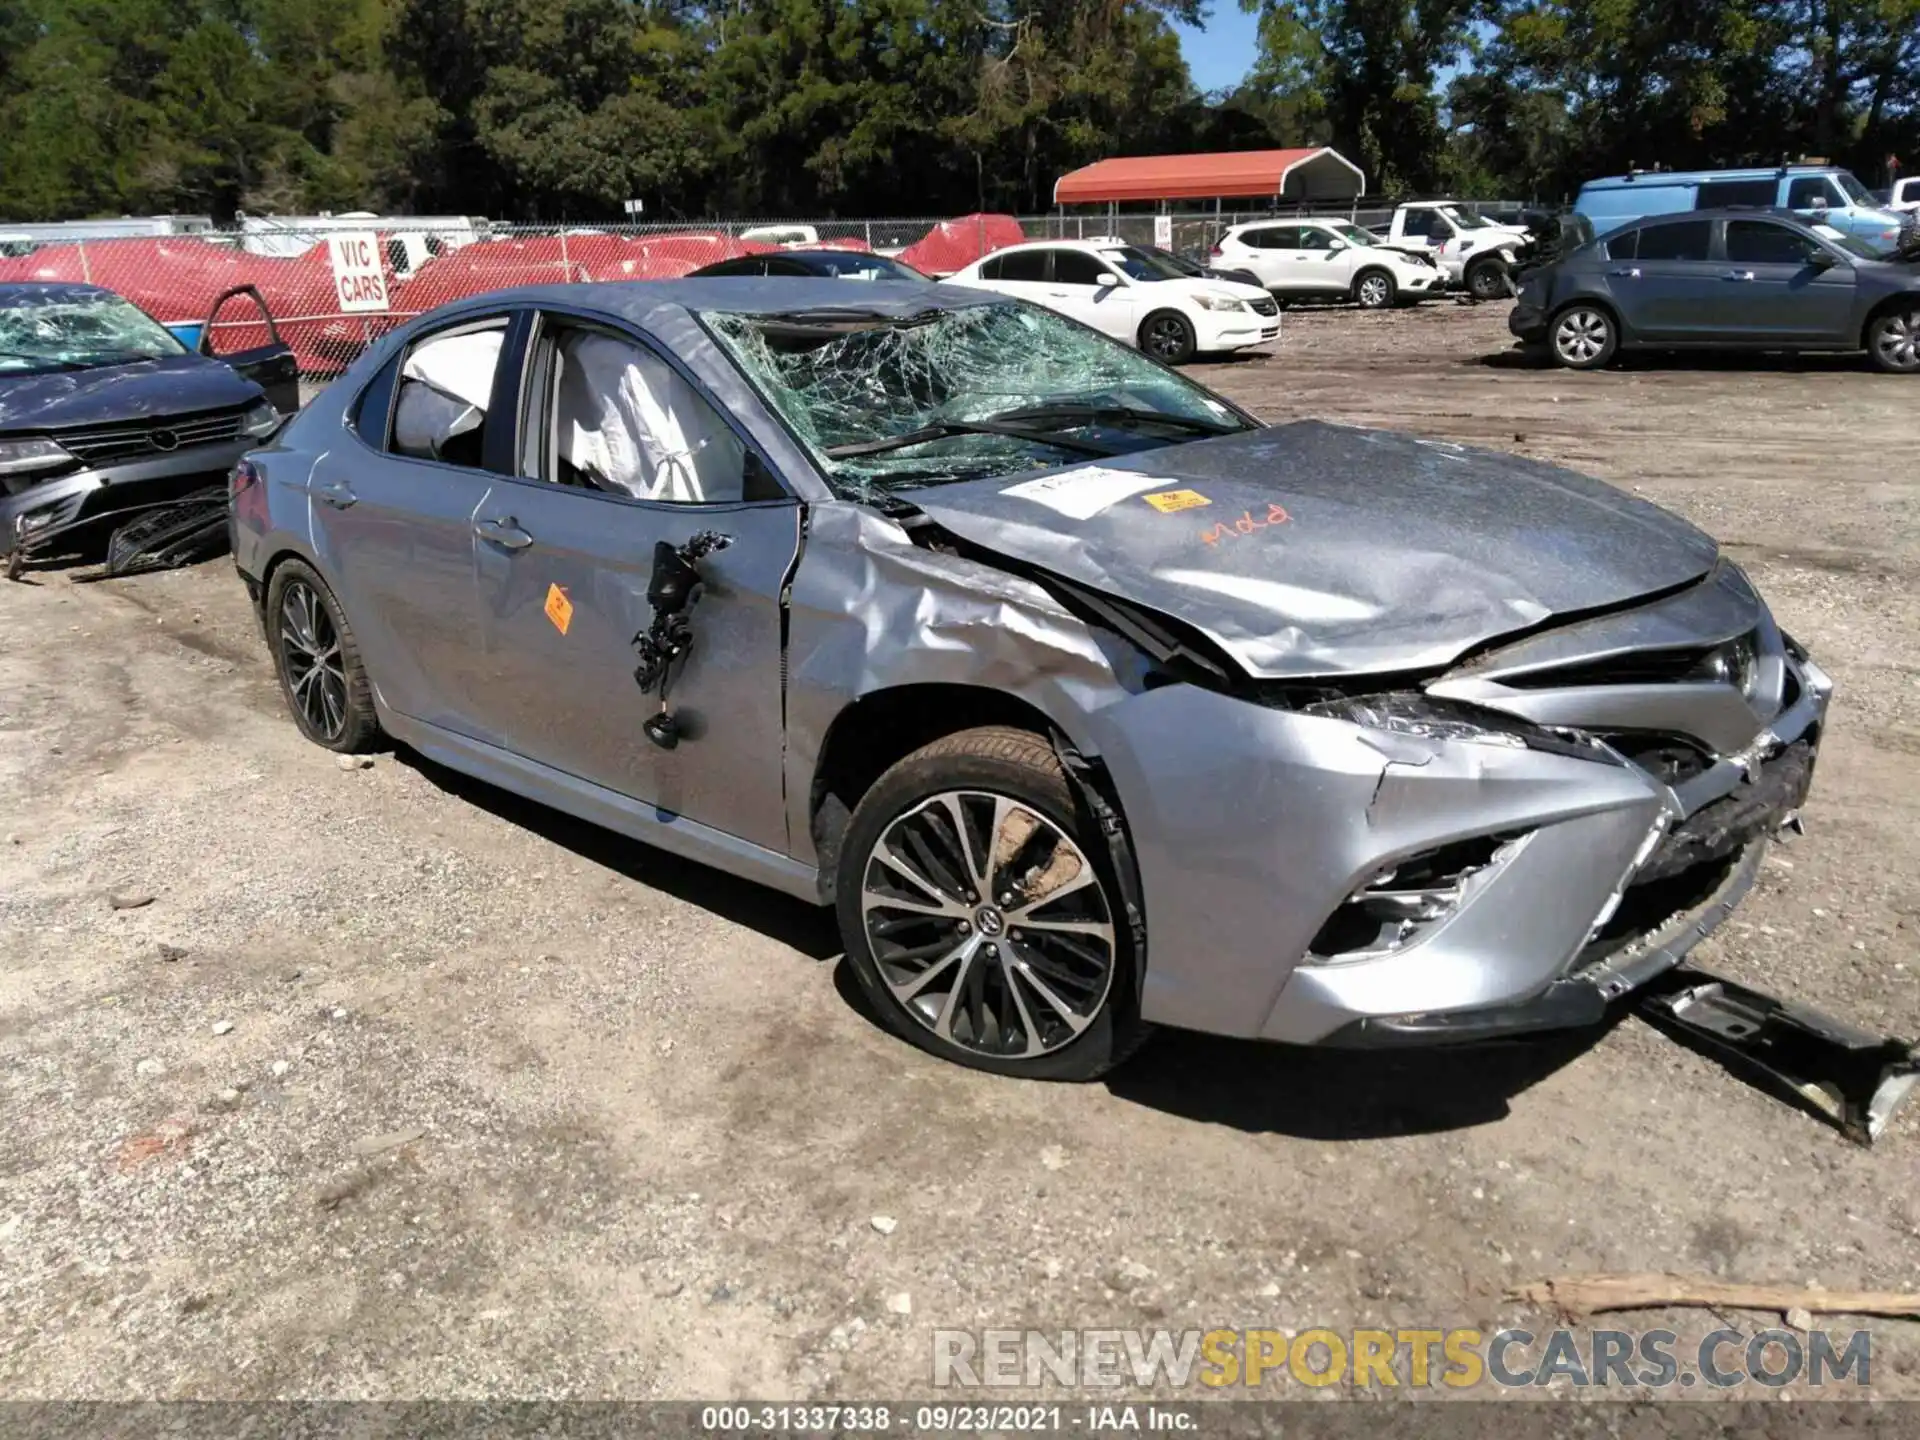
{"points": [[379, 1083]]}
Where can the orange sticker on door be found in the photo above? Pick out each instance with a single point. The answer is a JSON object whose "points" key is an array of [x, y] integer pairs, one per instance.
{"points": [[1169, 501], [559, 608]]}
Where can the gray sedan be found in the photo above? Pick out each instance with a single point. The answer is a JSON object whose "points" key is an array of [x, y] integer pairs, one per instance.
{"points": [[1087, 701], [1729, 279]]}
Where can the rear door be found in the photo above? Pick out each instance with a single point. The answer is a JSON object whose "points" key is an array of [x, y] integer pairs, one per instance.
{"points": [[1668, 289], [617, 450], [240, 332], [1074, 289], [393, 514], [1782, 284], [1264, 250]]}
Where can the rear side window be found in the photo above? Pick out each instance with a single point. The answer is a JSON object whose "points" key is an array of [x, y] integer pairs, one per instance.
{"points": [[1682, 240], [1758, 242], [1735, 192], [1023, 265], [446, 389], [1274, 237], [1624, 247]]}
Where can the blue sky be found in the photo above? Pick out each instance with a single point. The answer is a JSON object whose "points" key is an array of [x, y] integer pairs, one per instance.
{"points": [[1222, 53]]}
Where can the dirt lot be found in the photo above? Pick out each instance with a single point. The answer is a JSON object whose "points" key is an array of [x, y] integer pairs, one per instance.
{"points": [[401, 1087]]}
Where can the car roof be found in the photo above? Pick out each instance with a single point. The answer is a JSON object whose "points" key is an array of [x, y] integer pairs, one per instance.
{"points": [[643, 301], [1721, 212], [13, 290], [1695, 177]]}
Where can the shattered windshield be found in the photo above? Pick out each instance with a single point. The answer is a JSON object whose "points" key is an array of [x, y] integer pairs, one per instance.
{"points": [[889, 402], [75, 331]]}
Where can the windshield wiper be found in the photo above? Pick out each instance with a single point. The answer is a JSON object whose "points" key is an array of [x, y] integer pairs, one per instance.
{"points": [[1123, 416], [948, 428], [47, 361]]}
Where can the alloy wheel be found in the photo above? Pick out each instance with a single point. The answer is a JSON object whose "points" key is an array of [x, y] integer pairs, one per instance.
{"points": [[1581, 336], [1896, 340], [1373, 292], [1166, 337], [988, 924], [310, 654]]}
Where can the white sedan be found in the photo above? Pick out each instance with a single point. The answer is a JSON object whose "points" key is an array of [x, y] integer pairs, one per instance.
{"points": [[1131, 295], [1327, 259]]}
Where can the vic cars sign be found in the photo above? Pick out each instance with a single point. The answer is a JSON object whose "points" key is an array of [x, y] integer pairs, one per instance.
{"points": [[358, 279]]}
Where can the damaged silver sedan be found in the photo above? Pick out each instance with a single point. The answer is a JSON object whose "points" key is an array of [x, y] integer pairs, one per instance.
{"points": [[1089, 702]]}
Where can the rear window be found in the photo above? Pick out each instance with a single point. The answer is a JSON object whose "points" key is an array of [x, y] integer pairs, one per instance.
{"points": [[1683, 240], [1735, 192]]}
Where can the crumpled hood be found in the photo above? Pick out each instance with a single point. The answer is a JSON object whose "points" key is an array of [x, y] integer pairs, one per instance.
{"points": [[1315, 549], [173, 385]]}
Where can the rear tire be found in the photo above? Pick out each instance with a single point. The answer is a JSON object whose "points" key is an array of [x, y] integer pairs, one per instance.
{"points": [[1008, 948], [318, 661], [1168, 337], [1583, 337], [1374, 290], [1893, 341]]}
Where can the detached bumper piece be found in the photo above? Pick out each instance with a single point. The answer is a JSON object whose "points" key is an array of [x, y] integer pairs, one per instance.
{"points": [[169, 536], [1851, 1078]]}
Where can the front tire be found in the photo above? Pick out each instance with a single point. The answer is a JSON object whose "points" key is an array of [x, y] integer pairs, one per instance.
{"points": [[1583, 337], [1893, 341], [318, 661], [1487, 280], [981, 913], [1374, 290], [1168, 337]]}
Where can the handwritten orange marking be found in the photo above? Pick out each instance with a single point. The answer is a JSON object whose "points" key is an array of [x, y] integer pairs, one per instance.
{"points": [[1244, 524]]}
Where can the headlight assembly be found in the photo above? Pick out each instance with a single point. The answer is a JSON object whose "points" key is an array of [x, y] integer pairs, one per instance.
{"points": [[260, 420], [26, 457], [1414, 714], [1213, 300]]}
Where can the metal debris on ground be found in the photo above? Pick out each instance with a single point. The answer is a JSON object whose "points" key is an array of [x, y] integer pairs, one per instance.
{"points": [[168, 536], [1581, 1295], [1852, 1078]]}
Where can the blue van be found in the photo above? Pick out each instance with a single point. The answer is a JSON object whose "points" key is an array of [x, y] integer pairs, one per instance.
{"points": [[1823, 193]]}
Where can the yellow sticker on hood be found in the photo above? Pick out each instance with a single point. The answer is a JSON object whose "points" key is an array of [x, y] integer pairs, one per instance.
{"points": [[1168, 501], [559, 608]]}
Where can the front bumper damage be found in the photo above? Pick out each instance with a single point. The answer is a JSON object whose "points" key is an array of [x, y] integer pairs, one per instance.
{"points": [[1535, 887], [41, 517]]}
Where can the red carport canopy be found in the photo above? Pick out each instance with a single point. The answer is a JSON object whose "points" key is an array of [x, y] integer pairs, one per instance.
{"points": [[1316, 174]]}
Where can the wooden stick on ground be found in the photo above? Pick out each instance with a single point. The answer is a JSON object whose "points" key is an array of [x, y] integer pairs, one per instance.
{"points": [[1578, 1295]]}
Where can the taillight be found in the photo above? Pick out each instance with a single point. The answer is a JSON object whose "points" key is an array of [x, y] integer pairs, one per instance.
{"points": [[1216, 252], [244, 477]]}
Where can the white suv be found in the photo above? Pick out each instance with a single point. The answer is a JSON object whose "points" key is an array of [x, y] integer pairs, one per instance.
{"points": [[1327, 258], [1131, 295]]}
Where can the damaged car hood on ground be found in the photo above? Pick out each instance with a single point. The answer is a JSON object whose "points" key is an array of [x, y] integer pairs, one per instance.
{"points": [[1313, 549]]}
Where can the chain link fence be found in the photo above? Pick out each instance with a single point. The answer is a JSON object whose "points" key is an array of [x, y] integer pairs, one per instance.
{"points": [[331, 286]]}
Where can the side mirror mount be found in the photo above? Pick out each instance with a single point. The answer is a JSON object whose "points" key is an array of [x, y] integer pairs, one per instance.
{"points": [[1107, 280], [1821, 260], [1334, 247]]}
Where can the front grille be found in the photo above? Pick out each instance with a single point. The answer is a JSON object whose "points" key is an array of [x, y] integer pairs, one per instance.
{"points": [[1640, 667], [137, 439], [1266, 306], [1725, 827], [1670, 759]]}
